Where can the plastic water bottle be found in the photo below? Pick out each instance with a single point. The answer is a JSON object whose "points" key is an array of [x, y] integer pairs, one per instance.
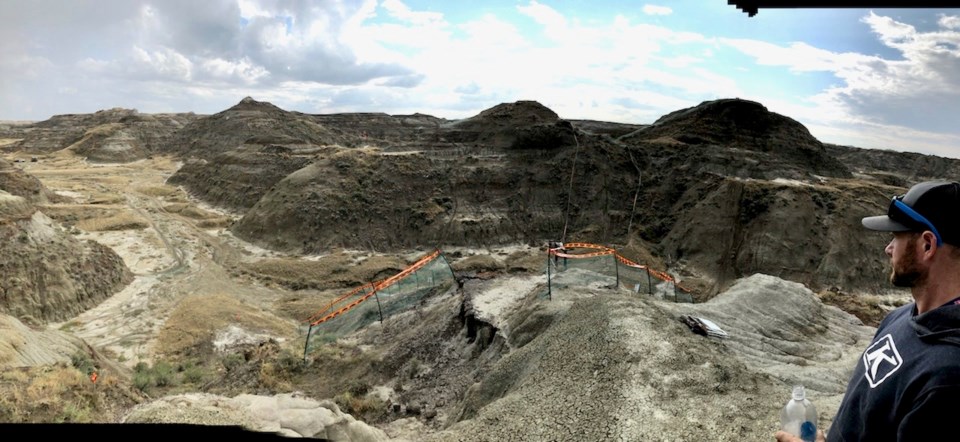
{"points": [[799, 416]]}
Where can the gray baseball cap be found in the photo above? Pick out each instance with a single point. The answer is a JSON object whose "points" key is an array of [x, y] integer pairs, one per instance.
{"points": [[930, 205]]}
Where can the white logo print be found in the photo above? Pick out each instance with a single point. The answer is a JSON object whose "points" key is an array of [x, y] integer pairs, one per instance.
{"points": [[881, 360]]}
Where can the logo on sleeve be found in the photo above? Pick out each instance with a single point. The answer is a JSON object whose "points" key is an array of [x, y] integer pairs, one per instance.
{"points": [[881, 360]]}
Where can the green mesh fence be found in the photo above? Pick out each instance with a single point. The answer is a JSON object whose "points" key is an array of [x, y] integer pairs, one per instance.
{"points": [[591, 265], [378, 301], [594, 272]]}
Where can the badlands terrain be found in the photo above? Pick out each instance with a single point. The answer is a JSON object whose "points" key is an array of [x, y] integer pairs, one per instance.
{"points": [[176, 257]]}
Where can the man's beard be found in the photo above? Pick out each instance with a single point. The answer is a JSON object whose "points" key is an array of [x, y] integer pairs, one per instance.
{"points": [[908, 274]]}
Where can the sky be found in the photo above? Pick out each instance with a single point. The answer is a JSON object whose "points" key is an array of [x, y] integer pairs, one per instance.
{"points": [[881, 78]]}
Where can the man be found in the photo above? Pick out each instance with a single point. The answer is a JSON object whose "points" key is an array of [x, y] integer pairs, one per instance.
{"points": [[906, 386]]}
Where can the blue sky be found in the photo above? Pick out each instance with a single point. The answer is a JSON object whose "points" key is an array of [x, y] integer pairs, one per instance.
{"points": [[884, 78]]}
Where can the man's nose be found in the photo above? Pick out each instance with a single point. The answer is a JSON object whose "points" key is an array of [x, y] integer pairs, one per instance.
{"points": [[889, 249]]}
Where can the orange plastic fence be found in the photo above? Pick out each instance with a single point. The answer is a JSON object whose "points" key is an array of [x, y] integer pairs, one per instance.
{"points": [[604, 251], [561, 251], [336, 301], [406, 272], [373, 286]]}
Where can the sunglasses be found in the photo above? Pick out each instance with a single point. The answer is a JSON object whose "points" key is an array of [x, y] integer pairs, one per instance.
{"points": [[903, 213]]}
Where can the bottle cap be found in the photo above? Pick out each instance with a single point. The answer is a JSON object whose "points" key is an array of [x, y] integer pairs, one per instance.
{"points": [[798, 393]]}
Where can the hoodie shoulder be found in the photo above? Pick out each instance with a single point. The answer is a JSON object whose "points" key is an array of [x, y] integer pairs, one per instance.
{"points": [[941, 324]]}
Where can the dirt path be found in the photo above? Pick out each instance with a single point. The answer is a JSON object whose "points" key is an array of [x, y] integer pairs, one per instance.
{"points": [[172, 258]]}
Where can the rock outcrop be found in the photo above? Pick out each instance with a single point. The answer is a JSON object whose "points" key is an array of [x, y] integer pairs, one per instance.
{"points": [[719, 191], [287, 414], [50, 275], [47, 273], [114, 135], [746, 132], [251, 123], [15, 181], [519, 125]]}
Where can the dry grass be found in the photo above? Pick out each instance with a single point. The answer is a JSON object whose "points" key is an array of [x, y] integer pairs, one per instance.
{"points": [[478, 263], [67, 172], [105, 129], [337, 270], [871, 309], [526, 261], [71, 213], [301, 306], [61, 393], [106, 198], [48, 387], [120, 221], [14, 375], [358, 405], [189, 211], [158, 191], [198, 318], [215, 223]]}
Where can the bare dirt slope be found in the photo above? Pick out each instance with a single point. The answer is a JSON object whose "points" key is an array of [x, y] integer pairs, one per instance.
{"points": [[209, 310], [111, 135], [518, 173], [48, 274], [745, 125], [622, 368]]}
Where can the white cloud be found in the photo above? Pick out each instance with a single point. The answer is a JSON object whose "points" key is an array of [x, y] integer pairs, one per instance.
{"points": [[544, 15], [799, 57], [398, 9], [680, 61], [920, 90], [656, 10], [555, 25], [949, 21], [242, 70], [385, 55], [250, 9], [163, 63]]}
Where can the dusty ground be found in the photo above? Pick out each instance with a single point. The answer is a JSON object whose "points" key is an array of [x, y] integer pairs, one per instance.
{"points": [[174, 248], [512, 367]]}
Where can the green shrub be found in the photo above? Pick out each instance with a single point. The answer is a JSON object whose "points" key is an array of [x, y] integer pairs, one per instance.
{"points": [[163, 374], [142, 380], [232, 361], [290, 363], [75, 413], [194, 374], [81, 361]]}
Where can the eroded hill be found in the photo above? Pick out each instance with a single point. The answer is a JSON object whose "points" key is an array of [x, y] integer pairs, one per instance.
{"points": [[714, 192], [48, 274], [706, 193], [111, 136]]}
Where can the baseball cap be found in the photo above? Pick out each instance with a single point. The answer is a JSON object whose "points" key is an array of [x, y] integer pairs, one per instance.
{"points": [[930, 205]]}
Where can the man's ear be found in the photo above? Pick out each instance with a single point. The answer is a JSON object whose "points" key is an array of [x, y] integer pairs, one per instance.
{"points": [[929, 241]]}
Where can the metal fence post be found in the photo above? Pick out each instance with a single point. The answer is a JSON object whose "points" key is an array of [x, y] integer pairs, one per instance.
{"points": [[306, 343], [649, 281], [375, 295], [549, 289], [454, 275], [616, 265]]}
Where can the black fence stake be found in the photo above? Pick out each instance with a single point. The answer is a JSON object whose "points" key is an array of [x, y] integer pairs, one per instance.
{"points": [[306, 343], [549, 289], [375, 295], [616, 265], [454, 275], [649, 281]]}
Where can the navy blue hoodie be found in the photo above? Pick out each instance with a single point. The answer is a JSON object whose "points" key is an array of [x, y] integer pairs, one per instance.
{"points": [[906, 386]]}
